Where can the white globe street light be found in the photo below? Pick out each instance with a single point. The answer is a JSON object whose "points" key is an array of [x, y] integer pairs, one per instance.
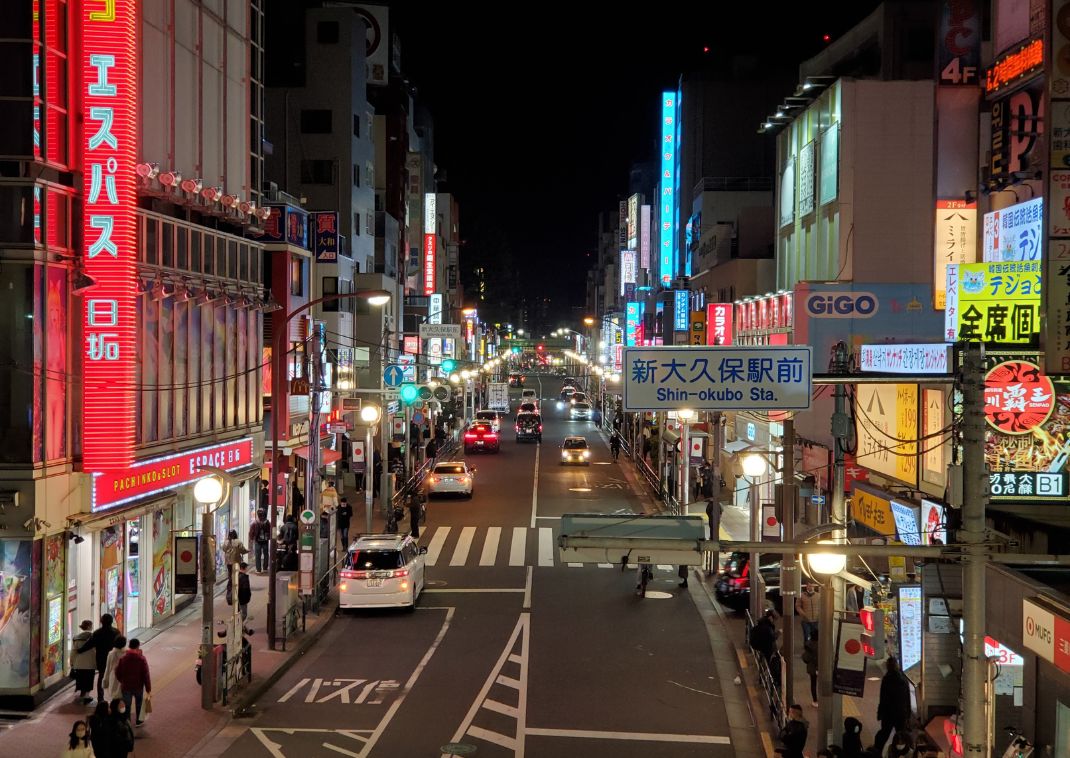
{"points": [[827, 563], [369, 414], [685, 414], [208, 491], [455, 378], [754, 465]]}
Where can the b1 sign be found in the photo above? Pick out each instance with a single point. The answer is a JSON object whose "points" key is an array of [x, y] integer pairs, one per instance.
{"points": [[717, 378]]}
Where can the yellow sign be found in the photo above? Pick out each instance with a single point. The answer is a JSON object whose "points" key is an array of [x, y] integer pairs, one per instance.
{"points": [[873, 511], [698, 328], [999, 302], [886, 420]]}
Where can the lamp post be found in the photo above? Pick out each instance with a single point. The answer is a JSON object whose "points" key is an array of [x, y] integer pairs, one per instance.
{"points": [[685, 415], [210, 492], [369, 414], [280, 329], [754, 466]]}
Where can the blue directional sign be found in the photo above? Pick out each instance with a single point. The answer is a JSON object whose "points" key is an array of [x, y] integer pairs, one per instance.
{"points": [[817, 499], [393, 375]]}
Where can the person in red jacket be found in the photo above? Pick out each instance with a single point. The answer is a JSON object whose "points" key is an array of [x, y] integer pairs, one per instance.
{"points": [[132, 673]]}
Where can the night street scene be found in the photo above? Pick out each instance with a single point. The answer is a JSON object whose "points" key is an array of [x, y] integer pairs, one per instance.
{"points": [[415, 380]]}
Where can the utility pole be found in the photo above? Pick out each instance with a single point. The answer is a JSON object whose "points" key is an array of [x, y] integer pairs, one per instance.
{"points": [[208, 670], [829, 715], [974, 505], [788, 568], [715, 564]]}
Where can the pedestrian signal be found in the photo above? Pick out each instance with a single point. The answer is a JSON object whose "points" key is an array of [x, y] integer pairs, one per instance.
{"points": [[408, 393], [448, 365], [873, 637]]}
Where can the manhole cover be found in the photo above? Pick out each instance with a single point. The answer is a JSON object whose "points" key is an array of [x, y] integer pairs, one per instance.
{"points": [[655, 595], [458, 748]]}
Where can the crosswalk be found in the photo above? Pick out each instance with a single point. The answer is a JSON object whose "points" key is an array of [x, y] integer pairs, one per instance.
{"points": [[471, 546]]}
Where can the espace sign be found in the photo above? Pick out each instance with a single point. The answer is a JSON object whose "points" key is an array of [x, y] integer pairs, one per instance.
{"points": [[841, 305], [1046, 634]]}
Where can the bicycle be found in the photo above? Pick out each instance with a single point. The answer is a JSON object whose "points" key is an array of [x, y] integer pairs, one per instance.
{"points": [[1020, 747], [644, 573]]}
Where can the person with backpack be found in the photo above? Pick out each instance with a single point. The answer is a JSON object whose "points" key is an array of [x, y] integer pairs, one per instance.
{"points": [[763, 636], [342, 519], [259, 538]]}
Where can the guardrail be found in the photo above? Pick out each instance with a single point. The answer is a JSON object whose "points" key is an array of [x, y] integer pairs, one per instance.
{"points": [[289, 622], [769, 677]]}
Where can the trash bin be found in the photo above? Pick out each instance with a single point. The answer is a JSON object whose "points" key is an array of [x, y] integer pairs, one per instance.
{"points": [[285, 598]]}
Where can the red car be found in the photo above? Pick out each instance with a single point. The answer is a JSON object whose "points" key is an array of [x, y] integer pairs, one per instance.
{"points": [[481, 437]]}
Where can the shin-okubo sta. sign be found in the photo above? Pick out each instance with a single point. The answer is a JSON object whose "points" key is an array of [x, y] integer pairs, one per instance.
{"points": [[717, 378], [999, 302], [109, 126]]}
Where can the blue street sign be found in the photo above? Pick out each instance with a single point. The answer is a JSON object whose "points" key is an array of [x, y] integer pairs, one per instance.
{"points": [[393, 375], [817, 499]]}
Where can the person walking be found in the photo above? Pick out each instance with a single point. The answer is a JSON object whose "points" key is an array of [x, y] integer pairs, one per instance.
{"points": [[329, 497], [234, 551], [245, 591], [713, 518], [808, 609], [431, 450], [101, 731], [377, 473], [297, 500], [763, 635], [78, 745], [893, 709], [83, 664], [342, 519], [111, 684], [122, 730], [260, 538], [614, 445], [102, 641], [793, 735], [810, 657], [852, 738], [288, 534], [132, 671], [415, 508]]}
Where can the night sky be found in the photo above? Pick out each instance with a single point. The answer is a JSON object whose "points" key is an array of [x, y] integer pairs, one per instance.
{"points": [[541, 109]]}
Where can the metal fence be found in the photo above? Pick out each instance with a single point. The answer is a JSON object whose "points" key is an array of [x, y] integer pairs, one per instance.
{"points": [[770, 677]]}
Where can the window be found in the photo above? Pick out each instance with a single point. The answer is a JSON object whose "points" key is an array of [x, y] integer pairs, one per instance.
{"points": [[317, 172], [356, 174], [330, 287], [316, 121], [356, 224], [327, 32], [356, 125], [297, 277], [369, 224]]}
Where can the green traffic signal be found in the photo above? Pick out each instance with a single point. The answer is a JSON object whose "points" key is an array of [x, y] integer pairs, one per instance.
{"points": [[448, 365], [408, 392], [516, 350]]}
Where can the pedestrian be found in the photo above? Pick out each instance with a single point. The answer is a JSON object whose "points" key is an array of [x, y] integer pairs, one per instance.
{"points": [[614, 445], [342, 519], [83, 664], [377, 472], [101, 734], [415, 506], [793, 735], [260, 538], [265, 496], [102, 641], [245, 591], [329, 497], [806, 606], [682, 573], [893, 710], [852, 738], [432, 449], [78, 745], [111, 684], [713, 516], [297, 500], [234, 551], [122, 731], [288, 533], [132, 671], [810, 657], [763, 635]]}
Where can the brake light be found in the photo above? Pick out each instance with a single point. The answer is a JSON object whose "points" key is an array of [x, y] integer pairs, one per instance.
{"points": [[434, 480], [347, 574], [540, 427], [490, 436], [470, 436], [398, 573]]}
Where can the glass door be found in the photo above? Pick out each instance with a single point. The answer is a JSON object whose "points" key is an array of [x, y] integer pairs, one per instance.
{"points": [[132, 574]]}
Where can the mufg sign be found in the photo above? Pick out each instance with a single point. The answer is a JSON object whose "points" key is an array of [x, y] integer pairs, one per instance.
{"points": [[717, 378]]}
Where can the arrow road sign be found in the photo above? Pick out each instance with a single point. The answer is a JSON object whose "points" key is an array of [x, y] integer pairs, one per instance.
{"points": [[393, 375]]}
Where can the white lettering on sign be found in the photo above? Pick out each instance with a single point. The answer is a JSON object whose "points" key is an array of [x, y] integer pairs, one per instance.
{"points": [[1038, 630]]}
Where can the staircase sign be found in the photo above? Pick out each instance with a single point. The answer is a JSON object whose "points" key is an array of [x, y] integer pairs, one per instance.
{"points": [[393, 375]]}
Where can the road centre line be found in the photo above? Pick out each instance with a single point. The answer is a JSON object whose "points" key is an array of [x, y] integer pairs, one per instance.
{"points": [[703, 739], [535, 487]]}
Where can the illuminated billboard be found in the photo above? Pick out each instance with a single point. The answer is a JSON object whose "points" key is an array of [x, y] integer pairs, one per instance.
{"points": [[956, 242], [667, 202], [430, 241], [109, 105], [999, 302], [633, 221]]}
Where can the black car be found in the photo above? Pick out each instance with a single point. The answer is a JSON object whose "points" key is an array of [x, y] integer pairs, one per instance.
{"points": [[528, 427], [733, 584], [516, 380]]}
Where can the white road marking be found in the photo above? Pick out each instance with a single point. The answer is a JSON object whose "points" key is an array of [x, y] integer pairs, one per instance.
{"points": [[546, 546], [549, 518], [575, 565], [273, 747], [498, 739], [434, 548], [293, 690], [519, 546], [464, 544], [664, 567], [508, 681], [535, 487], [605, 565], [527, 591], [477, 590], [502, 708], [490, 547], [704, 739]]}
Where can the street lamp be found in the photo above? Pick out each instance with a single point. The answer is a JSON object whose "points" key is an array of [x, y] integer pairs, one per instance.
{"points": [[754, 465], [589, 321], [369, 415], [686, 415], [827, 564], [210, 492]]}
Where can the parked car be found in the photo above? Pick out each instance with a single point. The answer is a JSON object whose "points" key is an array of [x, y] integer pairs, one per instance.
{"points": [[382, 570], [451, 478], [528, 426], [575, 450], [481, 437], [580, 411], [516, 380]]}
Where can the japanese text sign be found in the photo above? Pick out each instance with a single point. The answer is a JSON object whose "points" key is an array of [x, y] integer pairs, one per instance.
{"points": [[905, 359], [1018, 397], [631, 323], [1019, 486], [956, 241], [325, 236], [999, 302], [430, 241], [667, 202], [885, 415], [1013, 233], [681, 299], [719, 324], [287, 224], [717, 378], [109, 97], [873, 510]]}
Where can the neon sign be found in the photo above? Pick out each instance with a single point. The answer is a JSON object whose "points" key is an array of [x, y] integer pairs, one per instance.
{"points": [[109, 155], [430, 241], [668, 182], [1015, 66]]}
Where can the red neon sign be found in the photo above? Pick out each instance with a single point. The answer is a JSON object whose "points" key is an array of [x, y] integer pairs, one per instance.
{"points": [[109, 105], [159, 474], [719, 324], [429, 264]]}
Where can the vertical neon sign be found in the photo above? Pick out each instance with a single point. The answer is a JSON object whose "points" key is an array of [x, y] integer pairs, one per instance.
{"points": [[430, 240], [668, 184], [109, 108]]}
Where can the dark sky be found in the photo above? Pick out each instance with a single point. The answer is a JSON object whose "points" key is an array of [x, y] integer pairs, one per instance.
{"points": [[540, 109]]}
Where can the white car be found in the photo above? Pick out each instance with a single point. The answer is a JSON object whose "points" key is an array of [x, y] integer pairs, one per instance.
{"points": [[580, 411], [451, 478], [382, 570], [575, 450], [578, 397], [529, 395], [490, 417]]}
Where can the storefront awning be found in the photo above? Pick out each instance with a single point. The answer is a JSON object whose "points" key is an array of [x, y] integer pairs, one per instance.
{"points": [[327, 456], [736, 446], [126, 512]]}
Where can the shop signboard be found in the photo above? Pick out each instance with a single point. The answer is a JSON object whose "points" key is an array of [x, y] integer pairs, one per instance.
{"points": [[959, 43], [905, 359], [719, 324], [155, 475], [906, 522], [631, 323], [325, 236], [681, 309], [186, 552], [359, 461], [935, 437], [849, 672], [933, 524], [886, 422], [698, 328], [910, 624], [717, 378], [1013, 233], [446, 331], [667, 206], [999, 302], [1046, 634], [829, 157], [956, 241], [1018, 397], [871, 508]]}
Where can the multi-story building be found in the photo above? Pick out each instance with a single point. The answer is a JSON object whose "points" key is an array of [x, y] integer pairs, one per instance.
{"points": [[133, 309]]}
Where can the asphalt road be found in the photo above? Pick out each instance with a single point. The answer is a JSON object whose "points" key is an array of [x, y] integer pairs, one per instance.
{"points": [[509, 652]]}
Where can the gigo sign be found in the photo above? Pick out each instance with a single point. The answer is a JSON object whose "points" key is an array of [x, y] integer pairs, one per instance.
{"points": [[109, 98], [841, 305]]}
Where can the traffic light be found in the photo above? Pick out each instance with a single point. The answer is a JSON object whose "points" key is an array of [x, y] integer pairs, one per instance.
{"points": [[408, 393], [540, 347], [873, 637], [516, 350], [448, 365]]}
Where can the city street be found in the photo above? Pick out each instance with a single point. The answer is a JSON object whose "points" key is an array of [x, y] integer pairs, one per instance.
{"points": [[509, 651]]}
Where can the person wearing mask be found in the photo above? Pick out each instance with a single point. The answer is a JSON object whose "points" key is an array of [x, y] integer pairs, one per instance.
{"points": [[111, 684], [342, 519], [260, 538], [852, 738], [808, 609], [893, 710], [101, 733], [793, 735], [102, 641], [122, 731], [78, 745], [83, 664], [234, 551], [810, 657], [132, 671]]}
